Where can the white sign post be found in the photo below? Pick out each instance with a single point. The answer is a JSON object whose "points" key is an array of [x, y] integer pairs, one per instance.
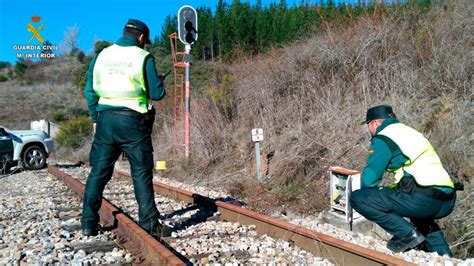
{"points": [[257, 136]]}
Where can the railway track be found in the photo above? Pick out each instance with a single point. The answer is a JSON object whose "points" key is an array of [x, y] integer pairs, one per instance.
{"points": [[131, 236], [226, 224]]}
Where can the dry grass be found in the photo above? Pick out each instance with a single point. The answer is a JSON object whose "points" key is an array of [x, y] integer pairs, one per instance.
{"points": [[46, 88], [309, 97]]}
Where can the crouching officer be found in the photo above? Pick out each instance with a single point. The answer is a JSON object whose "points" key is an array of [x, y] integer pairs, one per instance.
{"points": [[422, 192], [121, 80]]}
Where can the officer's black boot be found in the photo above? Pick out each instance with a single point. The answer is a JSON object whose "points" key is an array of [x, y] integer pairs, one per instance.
{"points": [[92, 232], [397, 244], [161, 230]]}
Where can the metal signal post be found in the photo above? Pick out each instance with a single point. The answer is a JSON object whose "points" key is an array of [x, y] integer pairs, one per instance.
{"points": [[187, 102], [187, 34]]}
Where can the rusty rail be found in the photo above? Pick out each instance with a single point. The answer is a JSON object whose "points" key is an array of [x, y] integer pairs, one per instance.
{"points": [[132, 237], [339, 251]]}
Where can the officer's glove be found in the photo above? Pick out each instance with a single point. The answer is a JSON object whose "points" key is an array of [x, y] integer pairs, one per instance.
{"points": [[163, 76]]}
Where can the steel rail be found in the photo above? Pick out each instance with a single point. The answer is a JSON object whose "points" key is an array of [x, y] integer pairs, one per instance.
{"points": [[132, 237], [338, 251]]}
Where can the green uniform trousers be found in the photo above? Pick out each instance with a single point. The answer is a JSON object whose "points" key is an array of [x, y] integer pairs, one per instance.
{"points": [[116, 133], [388, 207]]}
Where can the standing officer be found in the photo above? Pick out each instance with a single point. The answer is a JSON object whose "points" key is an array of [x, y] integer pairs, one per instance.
{"points": [[423, 190], [121, 80]]}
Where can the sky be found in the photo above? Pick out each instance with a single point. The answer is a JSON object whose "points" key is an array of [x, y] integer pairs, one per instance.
{"points": [[96, 20]]}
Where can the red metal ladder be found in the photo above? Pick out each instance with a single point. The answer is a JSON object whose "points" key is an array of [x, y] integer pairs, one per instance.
{"points": [[178, 101]]}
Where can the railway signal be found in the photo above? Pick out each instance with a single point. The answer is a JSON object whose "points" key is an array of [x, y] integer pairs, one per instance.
{"points": [[187, 34], [187, 24]]}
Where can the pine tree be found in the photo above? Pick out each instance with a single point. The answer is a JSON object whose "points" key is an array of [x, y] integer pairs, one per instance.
{"points": [[252, 29], [205, 33], [262, 26], [170, 26], [221, 27]]}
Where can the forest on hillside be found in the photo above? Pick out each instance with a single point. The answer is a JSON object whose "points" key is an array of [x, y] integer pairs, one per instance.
{"points": [[240, 28]]}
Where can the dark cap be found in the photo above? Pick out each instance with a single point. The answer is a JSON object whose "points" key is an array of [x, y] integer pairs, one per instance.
{"points": [[140, 26], [378, 112]]}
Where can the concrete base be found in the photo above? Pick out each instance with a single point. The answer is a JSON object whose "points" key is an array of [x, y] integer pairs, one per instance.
{"points": [[359, 225]]}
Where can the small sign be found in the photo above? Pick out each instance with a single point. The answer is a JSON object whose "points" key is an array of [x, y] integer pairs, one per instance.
{"points": [[257, 134]]}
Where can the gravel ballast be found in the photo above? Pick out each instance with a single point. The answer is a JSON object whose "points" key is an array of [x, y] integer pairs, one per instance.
{"points": [[40, 223]]}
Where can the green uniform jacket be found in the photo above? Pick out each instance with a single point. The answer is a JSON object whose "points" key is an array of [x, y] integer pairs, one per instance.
{"points": [[154, 85], [381, 158]]}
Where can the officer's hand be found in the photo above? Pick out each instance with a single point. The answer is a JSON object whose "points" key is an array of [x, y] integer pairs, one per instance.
{"points": [[163, 77]]}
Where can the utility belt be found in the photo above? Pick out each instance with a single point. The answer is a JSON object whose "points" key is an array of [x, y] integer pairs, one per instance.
{"points": [[435, 193], [408, 185], [147, 119], [124, 112]]}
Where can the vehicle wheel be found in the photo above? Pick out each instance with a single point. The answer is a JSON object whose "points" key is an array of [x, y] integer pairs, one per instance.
{"points": [[34, 158]]}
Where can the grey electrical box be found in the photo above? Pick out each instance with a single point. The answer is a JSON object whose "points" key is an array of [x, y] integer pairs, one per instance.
{"points": [[342, 183]]}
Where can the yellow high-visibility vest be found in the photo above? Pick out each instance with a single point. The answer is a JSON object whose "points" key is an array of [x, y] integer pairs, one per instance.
{"points": [[118, 77], [423, 162]]}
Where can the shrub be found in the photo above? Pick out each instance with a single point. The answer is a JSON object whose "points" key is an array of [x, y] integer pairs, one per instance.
{"points": [[4, 64], [80, 56], [78, 111], [73, 132], [3, 78], [100, 45], [10, 74], [59, 117], [20, 67], [222, 97], [80, 73]]}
